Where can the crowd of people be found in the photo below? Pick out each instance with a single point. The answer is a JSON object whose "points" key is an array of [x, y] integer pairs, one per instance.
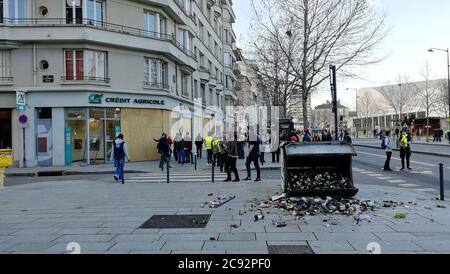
{"points": [[223, 152]]}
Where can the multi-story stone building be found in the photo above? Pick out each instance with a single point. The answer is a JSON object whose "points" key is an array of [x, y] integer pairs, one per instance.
{"points": [[295, 110], [324, 116], [94, 68]]}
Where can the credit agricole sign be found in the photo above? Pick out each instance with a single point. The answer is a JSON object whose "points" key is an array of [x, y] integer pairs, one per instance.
{"points": [[99, 99]]}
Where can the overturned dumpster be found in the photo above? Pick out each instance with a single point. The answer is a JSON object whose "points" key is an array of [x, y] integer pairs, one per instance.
{"points": [[318, 169]]}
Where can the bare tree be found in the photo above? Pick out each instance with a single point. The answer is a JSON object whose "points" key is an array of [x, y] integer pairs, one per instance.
{"points": [[367, 107], [398, 96], [312, 34], [426, 94]]}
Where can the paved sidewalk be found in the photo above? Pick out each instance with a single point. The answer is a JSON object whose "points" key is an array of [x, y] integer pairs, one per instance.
{"points": [[105, 217], [135, 167]]}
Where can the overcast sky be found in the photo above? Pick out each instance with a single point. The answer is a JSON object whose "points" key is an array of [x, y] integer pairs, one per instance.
{"points": [[417, 25]]}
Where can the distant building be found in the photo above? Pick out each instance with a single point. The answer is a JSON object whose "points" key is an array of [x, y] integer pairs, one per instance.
{"points": [[295, 110], [324, 116]]}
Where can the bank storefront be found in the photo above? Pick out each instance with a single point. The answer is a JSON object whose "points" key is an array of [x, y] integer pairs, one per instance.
{"points": [[67, 128]]}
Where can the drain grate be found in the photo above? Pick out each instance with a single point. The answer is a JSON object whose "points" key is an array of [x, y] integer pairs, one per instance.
{"points": [[176, 221], [290, 249]]}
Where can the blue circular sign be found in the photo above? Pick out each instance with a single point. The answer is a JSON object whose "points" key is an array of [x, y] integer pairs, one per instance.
{"points": [[23, 119]]}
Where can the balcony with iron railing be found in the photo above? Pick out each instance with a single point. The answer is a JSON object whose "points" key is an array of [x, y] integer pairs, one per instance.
{"points": [[69, 79], [156, 85], [101, 25]]}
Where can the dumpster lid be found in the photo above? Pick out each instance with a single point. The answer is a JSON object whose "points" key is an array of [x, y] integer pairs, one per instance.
{"points": [[319, 149]]}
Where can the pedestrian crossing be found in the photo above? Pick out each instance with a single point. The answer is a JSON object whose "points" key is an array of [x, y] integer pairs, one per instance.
{"points": [[398, 182], [176, 177]]}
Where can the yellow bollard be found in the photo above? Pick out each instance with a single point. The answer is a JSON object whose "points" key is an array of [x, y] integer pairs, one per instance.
{"points": [[5, 161]]}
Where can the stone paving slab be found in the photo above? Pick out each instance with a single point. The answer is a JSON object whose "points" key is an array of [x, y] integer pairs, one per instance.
{"points": [[111, 225]]}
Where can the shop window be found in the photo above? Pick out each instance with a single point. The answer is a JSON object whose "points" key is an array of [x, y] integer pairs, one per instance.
{"points": [[75, 113], [44, 113]]}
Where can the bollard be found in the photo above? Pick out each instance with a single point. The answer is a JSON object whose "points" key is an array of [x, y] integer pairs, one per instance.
{"points": [[168, 172], [195, 163], [213, 166], [122, 171], [441, 180], [2, 177]]}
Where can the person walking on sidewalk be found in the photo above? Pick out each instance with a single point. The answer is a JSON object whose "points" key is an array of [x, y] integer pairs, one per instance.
{"points": [[388, 149], [164, 150], [119, 153], [199, 145], [405, 149], [179, 146], [231, 148], [188, 148], [209, 148], [253, 156]]}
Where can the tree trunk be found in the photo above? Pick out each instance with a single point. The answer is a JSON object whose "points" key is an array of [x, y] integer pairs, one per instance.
{"points": [[305, 112]]}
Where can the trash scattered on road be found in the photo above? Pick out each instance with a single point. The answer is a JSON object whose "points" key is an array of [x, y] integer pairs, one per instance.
{"points": [[280, 224], [212, 239], [211, 194], [278, 197], [441, 206], [234, 226], [221, 201], [259, 217], [400, 216]]}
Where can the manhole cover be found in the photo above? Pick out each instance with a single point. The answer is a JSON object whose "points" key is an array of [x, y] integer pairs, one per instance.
{"points": [[176, 221], [290, 249]]}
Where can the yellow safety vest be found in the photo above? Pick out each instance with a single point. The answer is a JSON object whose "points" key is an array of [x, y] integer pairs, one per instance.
{"points": [[208, 142], [216, 145], [405, 141]]}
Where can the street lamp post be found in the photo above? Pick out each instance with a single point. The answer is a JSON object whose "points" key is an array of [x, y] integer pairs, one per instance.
{"points": [[356, 107], [448, 79]]}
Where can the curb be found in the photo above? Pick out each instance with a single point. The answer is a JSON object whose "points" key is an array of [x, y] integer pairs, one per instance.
{"points": [[60, 173], [413, 151]]}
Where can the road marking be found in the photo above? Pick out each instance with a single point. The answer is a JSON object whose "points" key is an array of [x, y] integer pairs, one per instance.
{"points": [[396, 181], [375, 175], [425, 189], [384, 178], [409, 185], [367, 172], [398, 159]]}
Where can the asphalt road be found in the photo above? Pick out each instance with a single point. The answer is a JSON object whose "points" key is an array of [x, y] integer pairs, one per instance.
{"points": [[424, 176]]}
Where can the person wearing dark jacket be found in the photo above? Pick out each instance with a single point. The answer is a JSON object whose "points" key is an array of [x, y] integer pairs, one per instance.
{"points": [[163, 150], [231, 148], [199, 145]]}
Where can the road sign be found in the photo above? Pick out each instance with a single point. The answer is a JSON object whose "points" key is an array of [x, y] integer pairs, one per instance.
{"points": [[23, 121], [20, 100]]}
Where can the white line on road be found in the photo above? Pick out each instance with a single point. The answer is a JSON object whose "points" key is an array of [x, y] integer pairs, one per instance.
{"points": [[425, 189], [396, 181], [409, 185], [398, 159], [375, 175], [384, 178], [367, 172]]}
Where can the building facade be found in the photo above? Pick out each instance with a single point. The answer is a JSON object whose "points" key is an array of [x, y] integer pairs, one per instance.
{"points": [[295, 110], [93, 68], [374, 112], [324, 116]]}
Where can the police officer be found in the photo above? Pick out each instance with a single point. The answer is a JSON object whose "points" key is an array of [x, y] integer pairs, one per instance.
{"points": [[209, 148], [405, 148]]}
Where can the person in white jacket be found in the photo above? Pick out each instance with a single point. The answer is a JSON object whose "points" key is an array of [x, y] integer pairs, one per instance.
{"points": [[118, 154], [388, 145]]}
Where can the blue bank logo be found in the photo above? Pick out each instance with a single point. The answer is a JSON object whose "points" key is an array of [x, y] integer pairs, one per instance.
{"points": [[95, 98]]}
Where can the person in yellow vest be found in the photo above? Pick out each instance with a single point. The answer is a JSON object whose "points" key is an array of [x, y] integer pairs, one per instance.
{"points": [[209, 148], [405, 148], [216, 150]]}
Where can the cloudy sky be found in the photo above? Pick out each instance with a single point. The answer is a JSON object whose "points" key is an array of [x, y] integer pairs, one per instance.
{"points": [[417, 25]]}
